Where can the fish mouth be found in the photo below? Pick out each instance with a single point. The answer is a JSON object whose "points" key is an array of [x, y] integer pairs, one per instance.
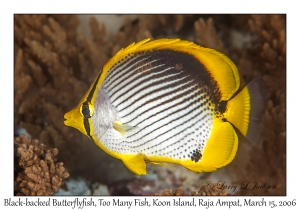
{"points": [[75, 120], [67, 119], [66, 122]]}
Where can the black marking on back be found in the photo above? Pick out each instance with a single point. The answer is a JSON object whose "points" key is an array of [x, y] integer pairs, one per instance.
{"points": [[179, 62], [182, 62]]}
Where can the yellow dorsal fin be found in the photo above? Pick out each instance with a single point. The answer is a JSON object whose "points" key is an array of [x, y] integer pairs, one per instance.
{"points": [[135, 163]]}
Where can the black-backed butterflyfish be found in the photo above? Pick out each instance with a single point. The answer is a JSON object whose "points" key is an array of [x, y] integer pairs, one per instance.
{"points": [[169, 100]]}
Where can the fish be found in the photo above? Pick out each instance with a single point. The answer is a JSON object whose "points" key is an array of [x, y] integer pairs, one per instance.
{"points": [[169, 101]]}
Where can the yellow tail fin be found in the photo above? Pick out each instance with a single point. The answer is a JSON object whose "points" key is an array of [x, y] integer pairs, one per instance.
{"points": [[245, 110]]}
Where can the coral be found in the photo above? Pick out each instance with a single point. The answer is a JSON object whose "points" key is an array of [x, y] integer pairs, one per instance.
{"points": [[152, 26], [205, 190], [140, 186], [267, 57], [55, 64], [210, 190], [36, 168], [81, 187], [207, 36], [171, 192]]}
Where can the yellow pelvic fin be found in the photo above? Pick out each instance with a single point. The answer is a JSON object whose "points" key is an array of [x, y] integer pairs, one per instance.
{"points": [[135, 163], [245, 110]]}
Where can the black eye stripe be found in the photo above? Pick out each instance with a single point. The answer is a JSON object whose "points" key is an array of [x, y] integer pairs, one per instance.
{"points": [[87, 127], [86, 114], [85, 109], [85, 106]]}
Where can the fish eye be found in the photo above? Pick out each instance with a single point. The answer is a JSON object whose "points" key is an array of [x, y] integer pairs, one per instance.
{"points": [[87, 110]]}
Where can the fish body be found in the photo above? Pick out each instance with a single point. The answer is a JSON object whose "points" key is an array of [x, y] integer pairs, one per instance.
{"points": [[168, 100]]}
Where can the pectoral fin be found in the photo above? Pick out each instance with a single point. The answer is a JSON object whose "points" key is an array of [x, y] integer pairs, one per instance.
{"points": [[123, 129], [135, 163]]}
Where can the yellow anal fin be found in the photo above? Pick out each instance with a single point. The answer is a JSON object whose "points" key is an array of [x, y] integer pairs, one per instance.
{"points": [[221, 147], [245, 110], [219, 151], [135, 163]]}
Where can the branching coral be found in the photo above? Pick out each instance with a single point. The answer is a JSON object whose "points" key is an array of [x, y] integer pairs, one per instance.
{"points": [[205, 190], [171, 192], [210, 190], [207, 36], [267, 57], [55, 65], [36, 168]]}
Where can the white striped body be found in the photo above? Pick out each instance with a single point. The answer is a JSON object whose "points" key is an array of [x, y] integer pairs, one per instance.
{"points": [[166, 98]]}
